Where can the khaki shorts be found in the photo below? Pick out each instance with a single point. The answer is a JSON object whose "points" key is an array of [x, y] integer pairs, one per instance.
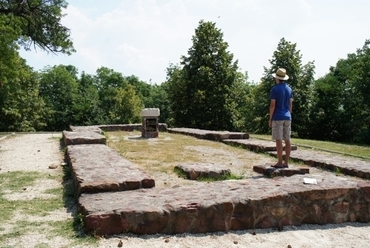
{"points": [[281, 130]]}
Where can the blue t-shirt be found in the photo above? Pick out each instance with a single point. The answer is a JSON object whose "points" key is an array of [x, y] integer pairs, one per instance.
{"points": [[282, 94]]}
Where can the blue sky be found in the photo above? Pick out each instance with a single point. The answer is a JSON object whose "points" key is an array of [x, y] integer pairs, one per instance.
{"points": [[143, 37]]}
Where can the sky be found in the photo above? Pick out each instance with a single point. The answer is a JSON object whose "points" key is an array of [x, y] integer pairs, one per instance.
{"points": [[143, 37]]}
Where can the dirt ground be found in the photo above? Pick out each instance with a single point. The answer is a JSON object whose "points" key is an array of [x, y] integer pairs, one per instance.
{"points": [[40, 152]]}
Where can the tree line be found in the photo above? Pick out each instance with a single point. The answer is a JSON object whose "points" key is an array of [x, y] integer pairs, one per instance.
{"points": [[204, 90]]}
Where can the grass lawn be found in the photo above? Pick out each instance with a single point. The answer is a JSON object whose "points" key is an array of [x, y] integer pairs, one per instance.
{"points": [[342, 148]]}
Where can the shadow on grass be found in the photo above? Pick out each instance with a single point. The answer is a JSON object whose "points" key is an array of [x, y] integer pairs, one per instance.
{"points": [[70, 196]]}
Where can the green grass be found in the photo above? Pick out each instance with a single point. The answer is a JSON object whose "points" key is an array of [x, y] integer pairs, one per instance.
{"points": [[61, 197], [342, 148], [16, 181], [168, 150], [229, 176]]}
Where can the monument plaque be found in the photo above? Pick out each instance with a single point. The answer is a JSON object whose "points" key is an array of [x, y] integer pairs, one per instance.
{"points": [[149, 122]]}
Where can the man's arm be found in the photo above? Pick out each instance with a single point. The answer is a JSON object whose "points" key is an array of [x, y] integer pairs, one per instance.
{"points": [[291, 105]]}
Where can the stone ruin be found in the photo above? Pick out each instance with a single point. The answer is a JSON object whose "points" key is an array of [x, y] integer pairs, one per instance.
{"points": [[114, 196]]}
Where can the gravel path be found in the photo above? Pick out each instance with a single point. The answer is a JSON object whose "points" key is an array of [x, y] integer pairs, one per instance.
{"points": [[41, 152]]}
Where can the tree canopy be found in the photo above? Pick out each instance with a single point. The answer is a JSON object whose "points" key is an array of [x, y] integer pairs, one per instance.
{"points": [[341, 106], [201, 90], [300, 79], [205, 90], [36, 23]]}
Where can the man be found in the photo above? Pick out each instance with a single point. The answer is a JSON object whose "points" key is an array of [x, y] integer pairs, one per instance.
{"points": [[281, 100]]}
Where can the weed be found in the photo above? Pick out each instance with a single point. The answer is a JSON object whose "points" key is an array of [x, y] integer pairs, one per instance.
{"points": [[337, 171], [180, 172]]}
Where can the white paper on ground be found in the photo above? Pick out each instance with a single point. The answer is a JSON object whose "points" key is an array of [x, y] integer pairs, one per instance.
{"points": [[309, 181]]}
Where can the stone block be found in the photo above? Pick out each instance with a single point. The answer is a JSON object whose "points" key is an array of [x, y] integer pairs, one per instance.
{"points": [[83, 137], [226, 205], [95, 129], [269, 171], [150, 112], [209, 134], [99, 168]]}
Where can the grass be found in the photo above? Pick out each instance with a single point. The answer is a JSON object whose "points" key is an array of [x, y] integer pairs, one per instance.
{"points": [[163, 154], [17, 216], [335, 147], [228, 176]]}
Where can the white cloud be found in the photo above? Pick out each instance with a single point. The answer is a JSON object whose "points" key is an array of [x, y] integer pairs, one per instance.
{"points": [[142, 37]]}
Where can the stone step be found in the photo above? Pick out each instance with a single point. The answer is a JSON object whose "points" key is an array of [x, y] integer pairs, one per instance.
{"points": [[347, 165], [255, 145], [269, 171], [227, 205], [209, 134], [88, 136], [162, 127], [99, 168]]}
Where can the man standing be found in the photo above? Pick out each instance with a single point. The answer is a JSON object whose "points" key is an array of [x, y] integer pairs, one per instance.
{"points": [[281, 100]]}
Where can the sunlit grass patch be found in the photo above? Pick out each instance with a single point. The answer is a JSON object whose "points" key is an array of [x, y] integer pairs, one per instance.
{"points": [[342, 148], [162, 154]]}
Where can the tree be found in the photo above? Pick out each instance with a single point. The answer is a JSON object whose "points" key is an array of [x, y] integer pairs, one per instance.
{"points": [[58, 89], [327, 109], [118, 101], [37, 23], [142, 89], [341, 105], [302, 102], [201, 90], [358, 92], [127, 106], [300, 79], [21, 109], [86, 104], [174, 87]]}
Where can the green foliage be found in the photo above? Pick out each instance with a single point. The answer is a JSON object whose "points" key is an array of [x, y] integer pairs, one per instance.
{"points": [[300, 79], [158, 99], [152, 96], [27, 23], [175, 88], [59, 90], [127, 106], [86, 102], [327, 109], [20, 107], [118, 100], [341, 106], [37, 23], [201, 91], [204, 91]]}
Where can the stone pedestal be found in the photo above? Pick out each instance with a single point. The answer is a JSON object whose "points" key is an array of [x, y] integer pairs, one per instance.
{"points": [[149, 122]]}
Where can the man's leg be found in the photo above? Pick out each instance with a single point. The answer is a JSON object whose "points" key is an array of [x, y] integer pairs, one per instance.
{"points": [[279, 150], [286, 137], [288, 148], [277, 135]]}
